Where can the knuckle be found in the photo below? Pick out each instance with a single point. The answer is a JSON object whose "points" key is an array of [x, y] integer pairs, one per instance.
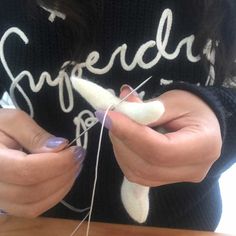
{"points": [[16, 114], [11, 115], [198, 178], [38, 136], [214, 146], [212, 157], [217, 152]]}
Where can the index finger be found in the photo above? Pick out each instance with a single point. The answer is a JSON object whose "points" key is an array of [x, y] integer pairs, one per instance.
{"points": [[17, 167]]}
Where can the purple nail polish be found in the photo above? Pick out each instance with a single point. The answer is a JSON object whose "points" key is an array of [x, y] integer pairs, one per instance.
{"points": [[80, 154], [55, 142], [100, 116], [2, 212]]}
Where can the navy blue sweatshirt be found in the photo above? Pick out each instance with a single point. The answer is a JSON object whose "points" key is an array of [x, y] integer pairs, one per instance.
{"points": [[137, 39]]}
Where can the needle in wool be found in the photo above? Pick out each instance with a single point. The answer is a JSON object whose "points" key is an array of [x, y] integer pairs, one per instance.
{"points": [[111, 108], [98, 156]]}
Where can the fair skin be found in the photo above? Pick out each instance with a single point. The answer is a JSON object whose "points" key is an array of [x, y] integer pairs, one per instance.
{"points": [[184, 154], [32, 183]]}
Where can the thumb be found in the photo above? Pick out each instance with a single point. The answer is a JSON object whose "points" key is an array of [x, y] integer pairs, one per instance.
{"points": [[125, 90], [22, 128]]}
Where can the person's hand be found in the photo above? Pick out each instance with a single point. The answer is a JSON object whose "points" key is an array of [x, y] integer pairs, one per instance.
{"points": [[185, 153], [32, 183]]}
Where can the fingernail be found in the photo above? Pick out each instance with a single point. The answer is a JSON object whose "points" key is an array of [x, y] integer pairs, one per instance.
{"points": [[129, 88], [2, 212], [100, 116], [80, 154], [55, 142]]}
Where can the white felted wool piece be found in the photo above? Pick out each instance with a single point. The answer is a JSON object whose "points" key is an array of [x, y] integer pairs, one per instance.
{"points": [[100, 99], [95, 95], [135, 197], [143, 113]]}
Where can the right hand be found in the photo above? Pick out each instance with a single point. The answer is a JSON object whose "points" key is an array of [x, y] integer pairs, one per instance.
{"points": [[30, 184]]}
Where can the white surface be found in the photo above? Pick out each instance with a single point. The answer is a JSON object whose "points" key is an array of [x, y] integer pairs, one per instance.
{"points": [[228, 191]]}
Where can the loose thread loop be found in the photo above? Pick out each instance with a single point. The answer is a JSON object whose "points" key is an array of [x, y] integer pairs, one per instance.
{"points": [[111, 107], [89, 215], [96, 169]]}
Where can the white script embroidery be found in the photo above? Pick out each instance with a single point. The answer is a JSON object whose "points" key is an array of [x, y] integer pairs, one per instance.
{"points": [[62, 81], [54, 14], [160, 45]]}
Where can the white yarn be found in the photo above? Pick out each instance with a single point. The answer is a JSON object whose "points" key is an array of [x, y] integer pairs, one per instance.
{"points": [[89, 215], [96, 169]]}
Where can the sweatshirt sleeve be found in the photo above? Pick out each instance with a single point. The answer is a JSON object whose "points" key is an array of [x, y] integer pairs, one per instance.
{"points": [[222, 101]]}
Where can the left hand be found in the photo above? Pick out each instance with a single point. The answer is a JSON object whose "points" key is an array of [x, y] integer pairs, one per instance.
{"points": [[184, 154]]}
